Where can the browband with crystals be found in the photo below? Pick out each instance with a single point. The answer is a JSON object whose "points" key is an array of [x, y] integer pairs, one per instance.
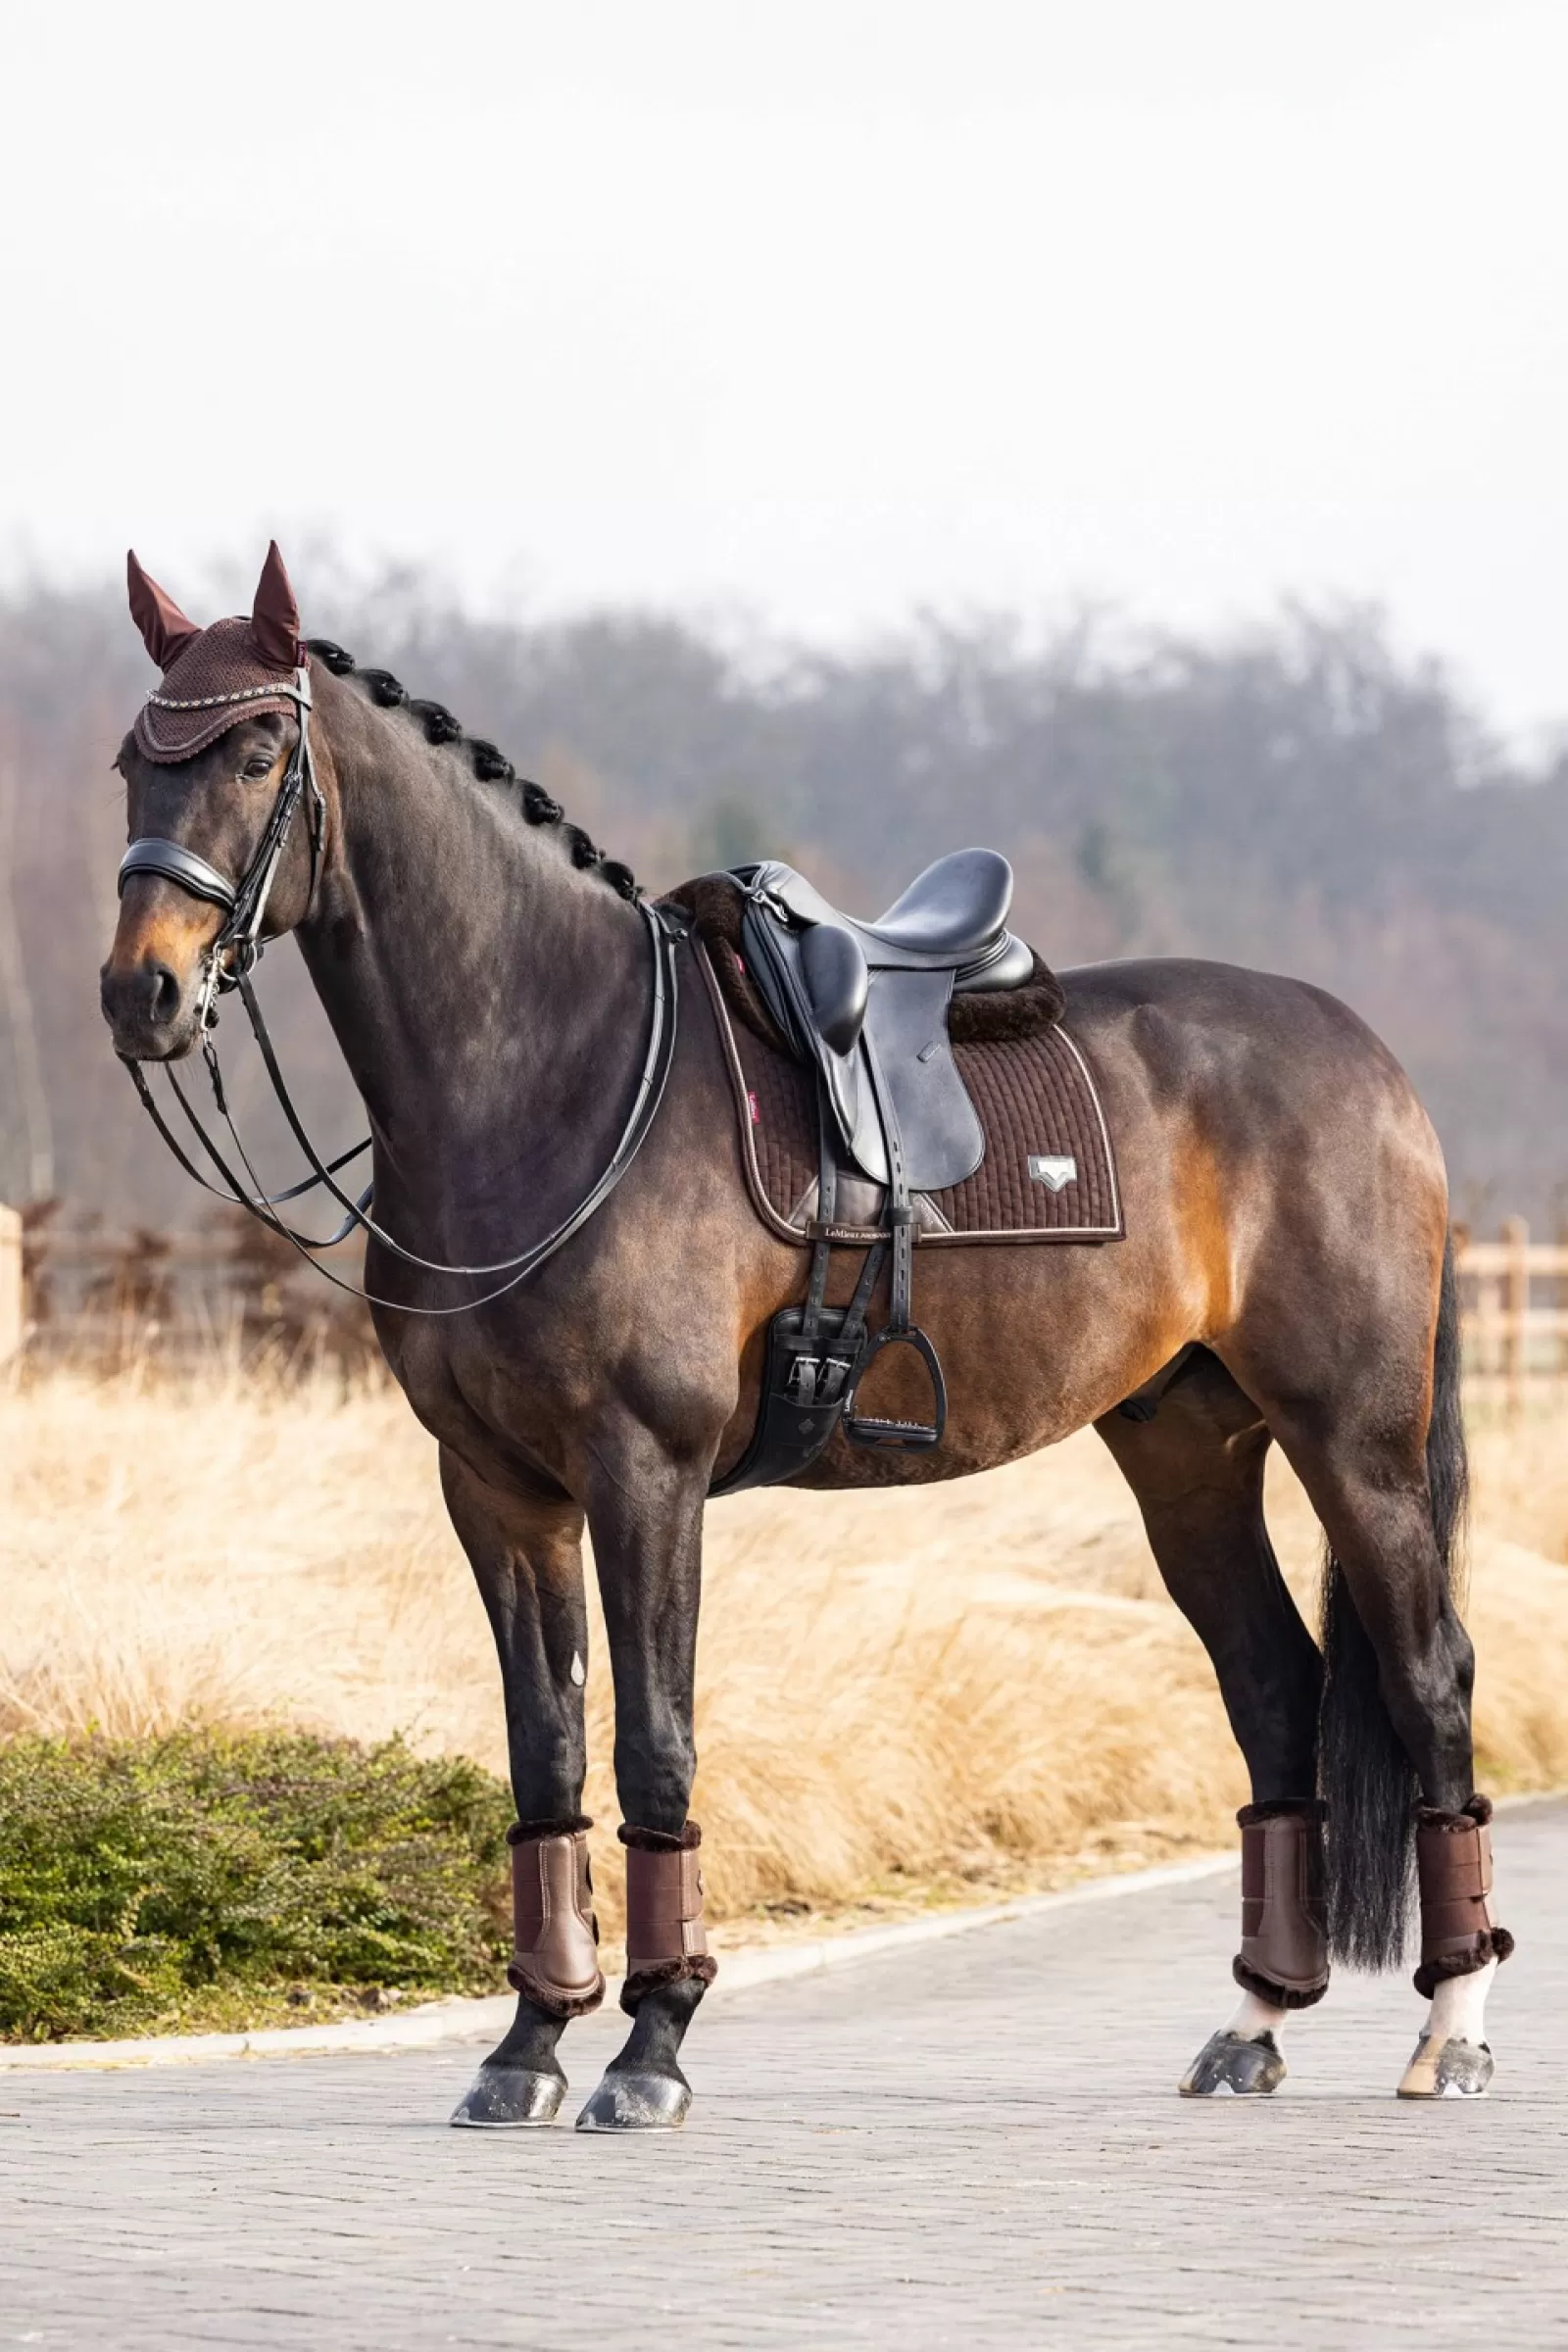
{"points": [[280, 688]]}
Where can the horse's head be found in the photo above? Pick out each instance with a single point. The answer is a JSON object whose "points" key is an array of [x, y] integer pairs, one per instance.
{"points": [[217, 754]]}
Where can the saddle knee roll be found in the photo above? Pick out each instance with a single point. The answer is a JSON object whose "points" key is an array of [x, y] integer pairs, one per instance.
{"points": [[555, 1958], [1460, 1933], [1284, 1957], [665, 1937]]}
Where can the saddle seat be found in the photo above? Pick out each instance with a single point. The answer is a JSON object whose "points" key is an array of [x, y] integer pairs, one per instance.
{"points": [[953, 913], [868, 1003]]}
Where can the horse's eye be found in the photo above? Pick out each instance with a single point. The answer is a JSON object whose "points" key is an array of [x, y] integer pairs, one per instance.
{"points": [[257, 765]]}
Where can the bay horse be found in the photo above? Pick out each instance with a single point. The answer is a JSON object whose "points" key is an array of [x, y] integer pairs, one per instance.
{"points": [[1284, 1278]]}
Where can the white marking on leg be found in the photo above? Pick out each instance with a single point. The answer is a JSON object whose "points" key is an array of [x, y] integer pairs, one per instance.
{"points": [[1460, 2007], [1255, 2017]]}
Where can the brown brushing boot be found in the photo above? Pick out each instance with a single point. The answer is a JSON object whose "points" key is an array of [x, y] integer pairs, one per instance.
{"points": [[555, 1967], [1283, 1962], [1461, 1945], [669, 1967]]}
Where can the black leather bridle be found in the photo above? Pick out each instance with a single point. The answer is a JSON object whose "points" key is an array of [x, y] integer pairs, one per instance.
{"points": [[235, 950], [231, 959]]}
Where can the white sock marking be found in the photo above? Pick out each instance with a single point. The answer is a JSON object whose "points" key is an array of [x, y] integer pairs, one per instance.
{"points": [[1255, 2017], [1460, 2007]]}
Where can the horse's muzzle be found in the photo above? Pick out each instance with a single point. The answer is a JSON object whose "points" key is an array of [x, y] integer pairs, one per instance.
{"points": [[151, 986], [151, 1012]]}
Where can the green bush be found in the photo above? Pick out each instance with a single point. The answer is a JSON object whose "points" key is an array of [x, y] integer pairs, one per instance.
{"points": [[201, 1880]]}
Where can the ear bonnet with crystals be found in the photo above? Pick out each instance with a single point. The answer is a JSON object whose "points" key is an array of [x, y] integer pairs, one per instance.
{"points": [[214, 677]]}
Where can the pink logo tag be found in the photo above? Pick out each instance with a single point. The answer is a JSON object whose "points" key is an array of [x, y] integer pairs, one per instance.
{"points": [[757, 1116]]}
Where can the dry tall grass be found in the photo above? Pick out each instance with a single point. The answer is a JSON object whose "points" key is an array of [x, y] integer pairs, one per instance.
{"points": [[902, 1694]]}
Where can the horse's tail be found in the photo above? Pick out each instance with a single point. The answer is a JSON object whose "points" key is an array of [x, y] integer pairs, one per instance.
{"points": [[1364, 1776]]}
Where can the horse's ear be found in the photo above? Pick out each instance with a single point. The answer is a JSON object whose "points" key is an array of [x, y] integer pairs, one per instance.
{"points": [[165, 630], [275, 617]]}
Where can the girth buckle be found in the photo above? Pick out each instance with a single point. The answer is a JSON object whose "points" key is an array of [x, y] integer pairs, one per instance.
{"points": [[816, 1380]]}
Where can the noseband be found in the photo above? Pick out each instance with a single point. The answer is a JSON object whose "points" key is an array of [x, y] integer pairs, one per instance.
{"points": [[230, 961]]}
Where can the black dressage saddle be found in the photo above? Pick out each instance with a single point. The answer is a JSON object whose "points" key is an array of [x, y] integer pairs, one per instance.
{"points": [[868, 1003], [866, 1006]]}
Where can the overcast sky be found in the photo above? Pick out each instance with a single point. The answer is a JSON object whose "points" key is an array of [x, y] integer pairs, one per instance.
{"points": [[824, 306]]}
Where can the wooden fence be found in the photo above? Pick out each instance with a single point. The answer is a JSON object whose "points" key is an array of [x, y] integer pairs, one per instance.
{"points": [[1513, 1296], [108, 1298], [11, 1307], [88, 1292]]}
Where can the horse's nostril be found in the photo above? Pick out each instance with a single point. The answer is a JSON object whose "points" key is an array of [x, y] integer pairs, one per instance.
{"points": [[145, 998]]}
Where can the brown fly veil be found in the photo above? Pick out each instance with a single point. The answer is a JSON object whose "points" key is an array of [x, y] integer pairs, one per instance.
{"points": [[214, 677]]}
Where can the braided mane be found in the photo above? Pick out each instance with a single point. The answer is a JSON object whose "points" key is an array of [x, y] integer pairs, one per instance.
{"points": [[490, 765]]}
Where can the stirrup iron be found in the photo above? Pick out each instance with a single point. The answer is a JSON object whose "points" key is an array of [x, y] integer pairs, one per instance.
{"points": [[895, 1435]]}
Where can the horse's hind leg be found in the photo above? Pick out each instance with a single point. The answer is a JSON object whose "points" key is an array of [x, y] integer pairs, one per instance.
{"points": [[1197, 1469], [1397, 1760], [526, 1555], [1379, 1450]]}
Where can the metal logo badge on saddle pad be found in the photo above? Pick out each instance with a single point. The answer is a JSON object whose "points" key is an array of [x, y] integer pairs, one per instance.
{"points": [[1053, 1169]]}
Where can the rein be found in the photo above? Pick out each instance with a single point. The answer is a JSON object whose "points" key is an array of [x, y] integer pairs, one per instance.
{"points": [[231, 961]]}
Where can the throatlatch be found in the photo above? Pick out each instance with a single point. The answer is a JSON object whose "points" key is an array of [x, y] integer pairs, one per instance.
{"points": [[1284, 1956], [555, 1958], [1453, 1865]]}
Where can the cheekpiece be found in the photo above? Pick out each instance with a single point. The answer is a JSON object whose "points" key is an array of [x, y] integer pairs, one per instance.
{"points": [[218, 679]]}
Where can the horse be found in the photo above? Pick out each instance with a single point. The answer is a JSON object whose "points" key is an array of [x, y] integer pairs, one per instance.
{"points": [[496, 985]]}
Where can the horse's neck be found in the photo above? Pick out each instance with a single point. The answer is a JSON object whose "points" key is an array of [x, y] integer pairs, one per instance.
{"points": [[488, 998]]}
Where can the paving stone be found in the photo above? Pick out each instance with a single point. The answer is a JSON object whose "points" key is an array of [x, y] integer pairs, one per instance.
{"points": [[974, 2142]]}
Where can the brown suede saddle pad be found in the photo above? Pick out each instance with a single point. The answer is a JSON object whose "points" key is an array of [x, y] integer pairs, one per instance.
{"points": [[1049, 1171]]}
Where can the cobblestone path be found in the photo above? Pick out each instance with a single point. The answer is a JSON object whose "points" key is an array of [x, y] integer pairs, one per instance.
{"points": [[972, 2143]]}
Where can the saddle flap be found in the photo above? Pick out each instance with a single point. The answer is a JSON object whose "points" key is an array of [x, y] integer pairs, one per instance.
{"points": [[774, 957], [907, 1022], [903, 1014]]}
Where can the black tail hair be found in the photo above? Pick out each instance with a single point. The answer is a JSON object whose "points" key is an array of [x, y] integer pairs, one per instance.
{"points": [[1364, 1776]]}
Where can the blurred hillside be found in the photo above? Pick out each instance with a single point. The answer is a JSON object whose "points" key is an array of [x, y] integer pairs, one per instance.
{"points": [[1298, 797]]}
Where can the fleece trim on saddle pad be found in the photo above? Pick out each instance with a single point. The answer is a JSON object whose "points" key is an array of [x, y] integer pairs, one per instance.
{"points": [[1048, 1173]]}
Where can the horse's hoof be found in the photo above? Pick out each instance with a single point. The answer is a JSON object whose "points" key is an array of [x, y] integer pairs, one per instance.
{"points": [[1459, 2070], [1228, 2063], [637, 2103], [509, 2098]]}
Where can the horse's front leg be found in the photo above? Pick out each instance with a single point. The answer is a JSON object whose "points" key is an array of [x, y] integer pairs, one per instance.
{"points": [[526, 1555], [644, 1514]]}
